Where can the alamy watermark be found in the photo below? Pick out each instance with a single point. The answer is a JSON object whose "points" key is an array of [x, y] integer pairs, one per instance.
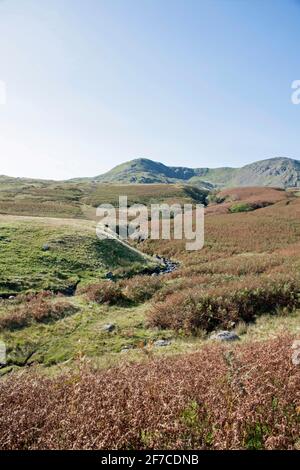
{"points": [[3, 94], [159, 221], [296, 93]]}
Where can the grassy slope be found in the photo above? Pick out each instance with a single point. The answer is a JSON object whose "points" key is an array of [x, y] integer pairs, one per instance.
{"points": [[74, 254], [81, 335], [145, 194]]}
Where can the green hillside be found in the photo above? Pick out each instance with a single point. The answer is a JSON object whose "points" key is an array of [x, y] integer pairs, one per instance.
{"points": [[56, 254]]}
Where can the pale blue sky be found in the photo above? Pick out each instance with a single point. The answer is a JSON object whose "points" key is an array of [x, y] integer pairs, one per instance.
{"points": [[93, 83]]}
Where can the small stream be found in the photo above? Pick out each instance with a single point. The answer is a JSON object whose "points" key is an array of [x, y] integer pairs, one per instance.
{"points": [[167, 266]]}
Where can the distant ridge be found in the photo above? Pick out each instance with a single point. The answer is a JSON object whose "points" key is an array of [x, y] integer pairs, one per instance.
{"points": [[281, 172]]}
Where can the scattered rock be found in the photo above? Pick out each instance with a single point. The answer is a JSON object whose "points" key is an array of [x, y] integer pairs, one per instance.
{"points": [[11, 297], [296, 358], [109, 327], [225, 336], [162, 342], [45, 247], [127, 348], [70, 289], [296, 352]]}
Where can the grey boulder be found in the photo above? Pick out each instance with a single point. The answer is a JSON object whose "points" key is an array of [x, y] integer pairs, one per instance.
{"points": [[162, 342], [225, 336]]}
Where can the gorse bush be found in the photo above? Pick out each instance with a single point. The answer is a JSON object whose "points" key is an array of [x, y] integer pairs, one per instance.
{"points": [[40, 308], [104, 292], [245, 397], [137, 289], [216, 307], [141, 288]]}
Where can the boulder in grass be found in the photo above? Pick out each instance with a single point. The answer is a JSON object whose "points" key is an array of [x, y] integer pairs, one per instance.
{"points": [[45, 247], [296, 358], [162, 342], [225, 336], [109, 327], [296, 344], [296, 353], [109, 276]]}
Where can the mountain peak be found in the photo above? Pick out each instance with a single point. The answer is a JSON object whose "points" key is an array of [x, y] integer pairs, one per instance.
{"points": [[276, 171]]}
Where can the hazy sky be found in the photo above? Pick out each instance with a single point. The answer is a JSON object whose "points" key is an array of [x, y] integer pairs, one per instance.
{"points": [[93, 83]]}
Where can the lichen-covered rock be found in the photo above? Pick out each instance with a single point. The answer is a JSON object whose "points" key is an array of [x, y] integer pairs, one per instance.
{"points": [[162, 342]]}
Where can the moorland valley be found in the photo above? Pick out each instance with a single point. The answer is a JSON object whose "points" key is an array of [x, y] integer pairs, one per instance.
{"points": [[128, 353]]}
